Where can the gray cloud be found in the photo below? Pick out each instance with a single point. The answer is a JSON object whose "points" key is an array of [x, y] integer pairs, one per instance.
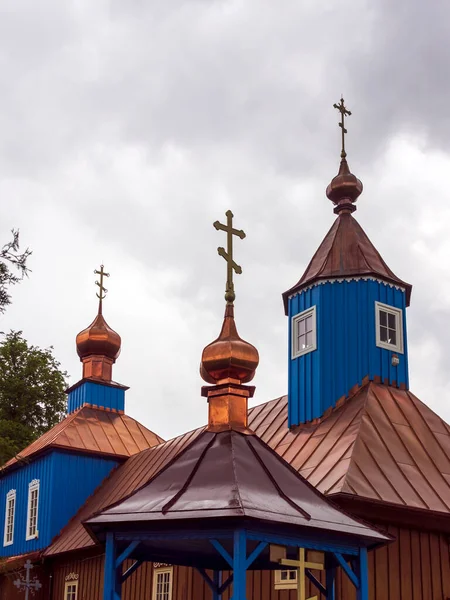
{"points": [[126, 129]]}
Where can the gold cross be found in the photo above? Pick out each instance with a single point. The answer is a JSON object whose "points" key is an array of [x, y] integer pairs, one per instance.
{"points": [[344, 113], [228, 254], [103, 291], [301, 565]]}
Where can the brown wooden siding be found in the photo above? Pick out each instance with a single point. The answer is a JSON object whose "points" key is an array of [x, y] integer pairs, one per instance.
{"points": [[8, 591], [415, 567]]}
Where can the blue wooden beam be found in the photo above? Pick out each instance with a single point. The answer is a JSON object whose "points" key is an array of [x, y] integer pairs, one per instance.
{"points": [[316, 582], [330, 577], [254, 555], [131, 570], [210, 583], [109, 575], [343, 563], [239, 565], [302, 542], [126, 553], [363, 571], [217, 579], [221, 550], [226, 584]]}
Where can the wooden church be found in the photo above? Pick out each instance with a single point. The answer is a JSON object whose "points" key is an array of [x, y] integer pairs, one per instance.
{"points": [[339, 490]]}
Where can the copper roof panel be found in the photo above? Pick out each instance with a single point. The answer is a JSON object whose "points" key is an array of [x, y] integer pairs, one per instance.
{"points": [[93, 430], [344, 252], [222, 462], [329, 451]]}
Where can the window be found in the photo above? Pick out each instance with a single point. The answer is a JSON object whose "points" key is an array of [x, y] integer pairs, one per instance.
{"points": [[32, 512], [71, 590], [162, 583], [8, 535], [304, 337], [286, 579], [389, 327]]}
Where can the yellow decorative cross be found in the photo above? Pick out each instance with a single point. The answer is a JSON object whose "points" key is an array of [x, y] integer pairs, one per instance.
{"points": [[228, 254], [344, 113], [302, 564], [103, 291]]}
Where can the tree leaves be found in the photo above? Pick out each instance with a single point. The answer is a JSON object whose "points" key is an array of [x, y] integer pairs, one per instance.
{"points": [[32, 398]]}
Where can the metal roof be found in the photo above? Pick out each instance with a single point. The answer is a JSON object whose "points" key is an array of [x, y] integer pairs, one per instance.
{"points": [[381, 444], [346, 251], [94, 430], [210, 480]]}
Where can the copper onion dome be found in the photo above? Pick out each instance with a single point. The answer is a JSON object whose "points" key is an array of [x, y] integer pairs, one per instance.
{"points": [[98, 345], [229, 357], [98, 339], [344, 189]]}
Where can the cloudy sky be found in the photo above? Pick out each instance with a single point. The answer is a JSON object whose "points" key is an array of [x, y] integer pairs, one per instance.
{"points": [[128, 127]]}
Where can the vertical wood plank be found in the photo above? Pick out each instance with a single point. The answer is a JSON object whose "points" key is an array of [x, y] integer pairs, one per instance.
{"points": [[426, 565]]}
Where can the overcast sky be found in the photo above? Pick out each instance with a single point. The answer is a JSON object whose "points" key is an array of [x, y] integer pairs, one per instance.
{"points": [[127, 127]]}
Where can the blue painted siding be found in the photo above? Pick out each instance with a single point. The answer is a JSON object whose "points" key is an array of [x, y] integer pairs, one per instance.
{"points": [[99, 394], [66, 481], [346, 345]]}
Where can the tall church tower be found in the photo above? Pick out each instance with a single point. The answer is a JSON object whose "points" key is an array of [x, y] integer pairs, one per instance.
{"points": [[347, 321]]}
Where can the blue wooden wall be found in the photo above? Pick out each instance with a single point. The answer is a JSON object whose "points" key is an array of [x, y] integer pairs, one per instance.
{"points": [[66, 481], [346, 345], [90, 392]]}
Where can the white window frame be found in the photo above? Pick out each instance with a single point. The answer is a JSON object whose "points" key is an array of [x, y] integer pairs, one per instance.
{"points": [[285, 584], [10, 497], [398, 314], [160, 571], [303, 315], [73, 583], [32, 486]]}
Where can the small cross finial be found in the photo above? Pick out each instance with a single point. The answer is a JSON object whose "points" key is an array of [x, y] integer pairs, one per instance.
{"points": [[344, 113], [103, 291], [228, 254]]}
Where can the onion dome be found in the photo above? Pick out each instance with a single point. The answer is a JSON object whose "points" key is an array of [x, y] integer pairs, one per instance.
{"points": [[344, 189], [229, 357], [98, 339]]}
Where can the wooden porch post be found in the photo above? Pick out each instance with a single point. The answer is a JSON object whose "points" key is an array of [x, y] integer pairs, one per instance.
{"points": [[109, 577], [239, 565], [330, 577], [363, 573]]}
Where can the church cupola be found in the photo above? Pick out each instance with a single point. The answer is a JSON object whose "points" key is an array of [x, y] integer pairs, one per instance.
{"points": [[98, 347], [229, 361], [346, 313]]}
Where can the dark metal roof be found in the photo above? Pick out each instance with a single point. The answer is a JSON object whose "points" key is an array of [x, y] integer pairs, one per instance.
{"points": [[381, 444], [93, 430], [346, 251], [231, 475]]}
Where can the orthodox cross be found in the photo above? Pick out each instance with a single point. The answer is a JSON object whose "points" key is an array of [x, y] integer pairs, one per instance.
{"points": [[302, 564], [228, 254], [344, 113], [27, 584], [103, 291]]}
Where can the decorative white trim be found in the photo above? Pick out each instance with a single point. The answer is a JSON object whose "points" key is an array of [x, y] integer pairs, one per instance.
{"points": [[285, 584], [10, 498], [347, 279], [398, 314], [32, 531], [309, 312], [71, 584], [161, 571]]}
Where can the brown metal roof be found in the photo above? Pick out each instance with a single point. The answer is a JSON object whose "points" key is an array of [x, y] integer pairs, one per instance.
{"points": [[346, 251], [210, 480], [383, 444], [93, 430]]}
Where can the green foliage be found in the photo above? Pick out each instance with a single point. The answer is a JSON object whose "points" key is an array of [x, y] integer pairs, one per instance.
{"points": [[11, 257], [32, 398]]}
